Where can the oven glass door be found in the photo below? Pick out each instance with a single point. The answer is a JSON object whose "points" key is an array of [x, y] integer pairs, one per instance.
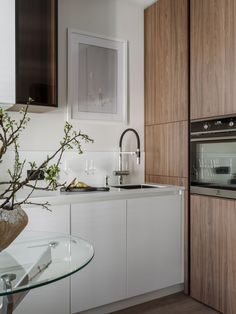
{"points": [[213, 163]]}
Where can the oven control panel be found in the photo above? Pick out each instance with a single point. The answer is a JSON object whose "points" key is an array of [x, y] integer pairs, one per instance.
{"points": [[214, 125]]}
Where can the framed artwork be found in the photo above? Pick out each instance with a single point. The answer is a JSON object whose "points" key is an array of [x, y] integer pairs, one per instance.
{"points": [[97, 77]]}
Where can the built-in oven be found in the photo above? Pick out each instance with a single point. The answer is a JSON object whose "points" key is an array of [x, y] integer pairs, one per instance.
{"points": [[213, 157]]}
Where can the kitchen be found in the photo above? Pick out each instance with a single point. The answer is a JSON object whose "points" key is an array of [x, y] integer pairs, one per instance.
{"points": [[164, 71]]}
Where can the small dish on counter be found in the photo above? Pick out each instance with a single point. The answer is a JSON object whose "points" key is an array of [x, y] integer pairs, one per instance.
{"points": [[85, 189], [78, 186]]}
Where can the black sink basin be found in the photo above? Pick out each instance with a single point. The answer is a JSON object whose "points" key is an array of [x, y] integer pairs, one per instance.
{"points": [[135, 186]]}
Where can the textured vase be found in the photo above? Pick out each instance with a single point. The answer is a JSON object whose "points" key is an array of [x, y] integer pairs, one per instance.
{"points": [[12, 222]]}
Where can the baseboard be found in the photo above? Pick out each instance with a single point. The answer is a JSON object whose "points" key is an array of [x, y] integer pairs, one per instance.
{"points": [[109, 308]]}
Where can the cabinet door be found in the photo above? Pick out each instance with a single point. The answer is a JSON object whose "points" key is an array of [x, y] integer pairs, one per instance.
{"points": [[7, 52], [166, 61], [103, 281], [179, 182], [154, 243], [206, 250], [213, 257], [36, 51], [166, 149], [213, 58], [53, 298]]}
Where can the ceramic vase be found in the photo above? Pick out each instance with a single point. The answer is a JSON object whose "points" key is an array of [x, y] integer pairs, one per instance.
{"points": [[12, 223]]}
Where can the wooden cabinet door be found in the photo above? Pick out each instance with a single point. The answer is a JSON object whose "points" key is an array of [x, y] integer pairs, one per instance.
{"points": [[103, 281], [213, 58], [166, 149], [166, 61], [154, 244], [213, 255]]}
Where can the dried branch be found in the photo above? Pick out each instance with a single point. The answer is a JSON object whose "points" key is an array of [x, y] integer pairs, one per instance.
{"points": [[9, 135], [44, 205]]}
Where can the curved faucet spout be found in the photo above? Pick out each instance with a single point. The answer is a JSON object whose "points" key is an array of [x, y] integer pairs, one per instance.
{"points": [[138, 142], [121, 172], [130, 130]]}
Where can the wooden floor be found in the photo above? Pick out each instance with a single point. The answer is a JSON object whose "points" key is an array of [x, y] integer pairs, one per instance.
{"points": [[174, 304]]}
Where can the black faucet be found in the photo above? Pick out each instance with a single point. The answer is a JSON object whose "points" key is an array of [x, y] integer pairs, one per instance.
{"points": [[121, 172], [138, 142]]}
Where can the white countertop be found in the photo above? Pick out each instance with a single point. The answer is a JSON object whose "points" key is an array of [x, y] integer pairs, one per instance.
{"points": [[56, 197]]}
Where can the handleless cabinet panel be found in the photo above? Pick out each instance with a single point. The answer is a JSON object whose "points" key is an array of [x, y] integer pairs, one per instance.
{"points": [[56, 220], [36, 51], [206, 250], [213, 58], [103, 281], [213, 255], [179, 182], [166, 149], [28, 56], [7, 51], [154, 243], [166, 61]]}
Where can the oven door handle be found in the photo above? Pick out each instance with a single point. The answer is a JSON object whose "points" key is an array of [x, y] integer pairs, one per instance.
{"points": [[200, 139]]}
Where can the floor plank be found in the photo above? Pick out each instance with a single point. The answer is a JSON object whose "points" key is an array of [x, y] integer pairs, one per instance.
{"points": [[174, 304]]}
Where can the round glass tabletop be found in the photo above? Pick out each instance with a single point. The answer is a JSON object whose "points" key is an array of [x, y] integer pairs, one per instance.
{"points": [[39, 258]]}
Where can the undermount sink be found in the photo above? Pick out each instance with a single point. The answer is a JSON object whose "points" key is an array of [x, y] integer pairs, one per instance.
{"points": [[135, 186]]}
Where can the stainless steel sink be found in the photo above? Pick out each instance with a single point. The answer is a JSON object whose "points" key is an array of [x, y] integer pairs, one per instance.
{"points": [[135, 186]]}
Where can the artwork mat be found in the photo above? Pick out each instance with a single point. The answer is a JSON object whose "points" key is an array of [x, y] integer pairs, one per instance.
{"points": [[121, 46]]}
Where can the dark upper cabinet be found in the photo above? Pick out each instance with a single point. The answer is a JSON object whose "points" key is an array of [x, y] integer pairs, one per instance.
{"points": [[36, 51], [31, 71], [213, 58]]}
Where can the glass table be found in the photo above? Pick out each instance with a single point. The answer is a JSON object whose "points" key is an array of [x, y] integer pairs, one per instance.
{"points": [[36, 259]]}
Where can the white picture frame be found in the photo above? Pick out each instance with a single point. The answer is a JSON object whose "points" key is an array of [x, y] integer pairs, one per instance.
{"points": [[97, 77]]}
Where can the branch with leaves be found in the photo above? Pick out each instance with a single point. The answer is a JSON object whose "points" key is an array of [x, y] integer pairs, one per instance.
{"points": [[10, 131]]}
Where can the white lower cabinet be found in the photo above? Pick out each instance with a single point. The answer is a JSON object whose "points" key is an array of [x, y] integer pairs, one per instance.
{"points": [[103, 281], [53, 298], [50, 299], [138, 249], [154, 243]]}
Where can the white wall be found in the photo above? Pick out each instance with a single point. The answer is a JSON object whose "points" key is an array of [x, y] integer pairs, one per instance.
{"points": [[114, 18]]}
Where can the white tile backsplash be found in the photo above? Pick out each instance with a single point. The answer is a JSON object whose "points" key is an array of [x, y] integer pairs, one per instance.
{"points": [[90, 167]]}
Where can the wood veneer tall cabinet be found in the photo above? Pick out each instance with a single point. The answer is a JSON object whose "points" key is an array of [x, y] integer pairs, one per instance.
{"points": [[166, 96], [213, 254], [213, 58]]}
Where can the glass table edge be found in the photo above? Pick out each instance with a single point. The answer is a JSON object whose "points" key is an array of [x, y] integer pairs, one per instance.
{"points": [[38, 285], [34, 286]]}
